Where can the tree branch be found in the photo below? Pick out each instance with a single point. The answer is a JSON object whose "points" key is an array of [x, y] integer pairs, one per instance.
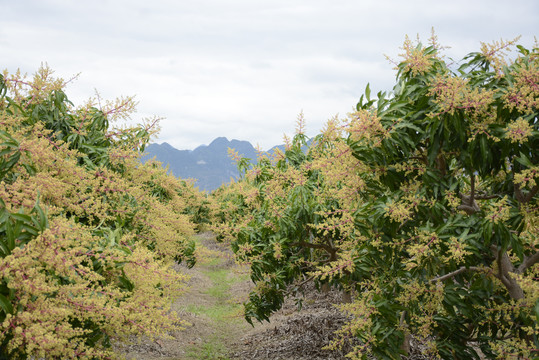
{"points": [[502, 268], [472, 189], [469, 205], [505, 267], [328, 248], [532, 193], [518, 193], [456, 272], [528, 262], [305, 281], [525, 198], [486, 197], [405, 346], [470, 210]]}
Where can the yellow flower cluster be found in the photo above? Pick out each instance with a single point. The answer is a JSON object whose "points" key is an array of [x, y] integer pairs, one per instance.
{"points": [[399, 211], [35, 90], [502, 315], [363, 311], [344, 264], [518, 131], [341, 172], [365, 126], [456, 251], [527, 177], [416, 59], [530, 285], [498, 211], [423, 248], [452, 199], [496, 53], [452, 93], [102, 268], [524, 95]]}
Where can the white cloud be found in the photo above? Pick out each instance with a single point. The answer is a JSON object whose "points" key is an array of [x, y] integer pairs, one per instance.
{"points": [[240, 68]]}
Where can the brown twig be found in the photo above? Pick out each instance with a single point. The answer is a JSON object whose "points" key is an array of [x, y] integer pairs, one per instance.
{"points": [[456, 272], [528, 262]]}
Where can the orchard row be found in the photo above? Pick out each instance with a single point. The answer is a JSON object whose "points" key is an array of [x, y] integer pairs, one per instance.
{"points": [[421, 206]]}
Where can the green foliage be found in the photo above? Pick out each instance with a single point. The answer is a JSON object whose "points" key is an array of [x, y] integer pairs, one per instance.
{"points": [[87, 233], [454, 133], [17, 229], [423, 203]]}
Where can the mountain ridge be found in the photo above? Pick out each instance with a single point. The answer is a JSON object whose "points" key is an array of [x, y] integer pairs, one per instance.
{"points": [[209, 165]]}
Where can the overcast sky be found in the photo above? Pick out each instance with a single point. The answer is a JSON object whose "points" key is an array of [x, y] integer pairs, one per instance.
{"points": [[243, 69]]}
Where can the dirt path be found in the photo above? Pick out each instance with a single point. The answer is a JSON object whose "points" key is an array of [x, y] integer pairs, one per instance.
{"points": [[212, 306], [218, 331]]}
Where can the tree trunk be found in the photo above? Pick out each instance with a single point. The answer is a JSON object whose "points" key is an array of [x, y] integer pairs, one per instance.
{"points": [[505, 268], [405, 346]]}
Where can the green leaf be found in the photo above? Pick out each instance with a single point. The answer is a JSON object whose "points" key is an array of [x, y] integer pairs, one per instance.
{"points": [[41, 222], [6, 305], [359, 105], [524, 160], [4, 249], [9, 238], [126, 283], [368, 92], [485, 153], [22, 217], [523, 50]]}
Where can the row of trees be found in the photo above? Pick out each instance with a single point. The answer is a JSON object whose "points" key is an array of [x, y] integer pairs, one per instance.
{"points": [[87, 233], [422, 206]]}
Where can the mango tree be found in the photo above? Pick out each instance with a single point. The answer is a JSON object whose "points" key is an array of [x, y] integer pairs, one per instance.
{"points": [[423, 203], [451, 211], [88, 235]]}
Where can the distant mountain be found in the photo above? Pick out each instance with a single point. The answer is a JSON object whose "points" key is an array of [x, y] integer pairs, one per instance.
{"points": [[209, 164]]}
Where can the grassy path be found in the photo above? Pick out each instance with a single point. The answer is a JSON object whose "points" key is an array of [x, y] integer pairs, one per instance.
{"points": [[212, 306], [222, 312]]}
